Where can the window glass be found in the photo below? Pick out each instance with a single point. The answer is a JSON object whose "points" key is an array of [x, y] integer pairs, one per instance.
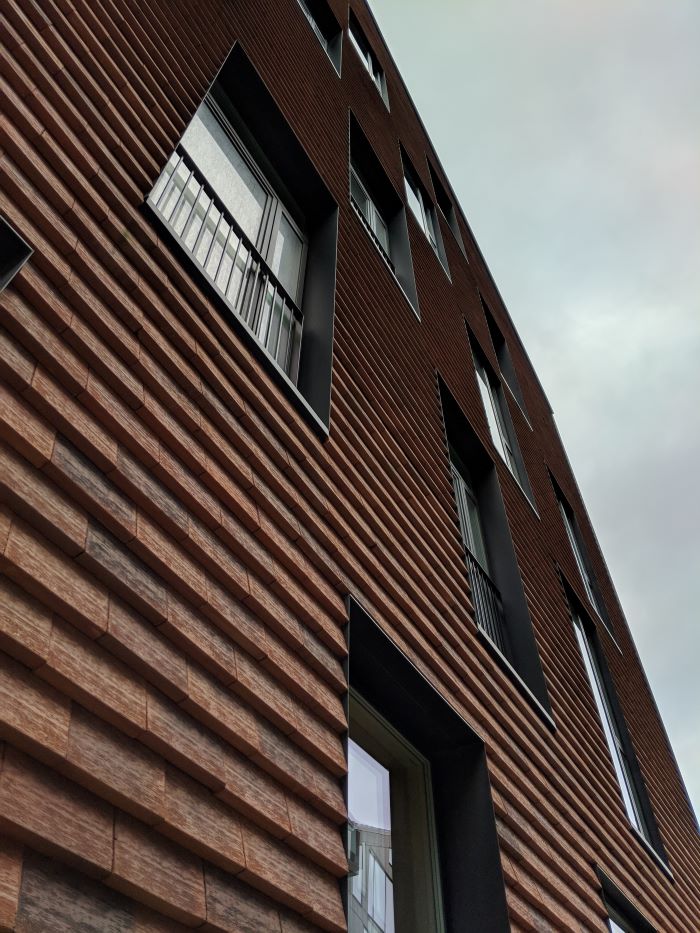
{"points": [[610, 729], [287, 256], [491, 416], [415, 203], [578, 555], [226, 171], [392, 845], [469, 520]]}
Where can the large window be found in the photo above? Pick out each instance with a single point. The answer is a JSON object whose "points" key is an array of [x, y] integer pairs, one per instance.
{"points": [[241, 198], [618, 743], [396, 881], [369, 59], [382, 211], [505, 361], [422, 846], [214, 198], [496, 589]]}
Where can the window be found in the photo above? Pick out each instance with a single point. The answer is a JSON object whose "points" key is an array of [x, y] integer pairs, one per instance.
{"points": [[364, 50], [573, 534], [422, 209], [369, 210], [446, 206], [496, 590], [618, 742], [326, 27], [498, 418], [623, 916], [14, 252], [240, 197], [422, 844], [503, 356], [382, 211]]}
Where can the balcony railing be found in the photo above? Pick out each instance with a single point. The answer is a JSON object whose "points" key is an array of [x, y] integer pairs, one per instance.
{"points": [[216, 243], [487, 603]]}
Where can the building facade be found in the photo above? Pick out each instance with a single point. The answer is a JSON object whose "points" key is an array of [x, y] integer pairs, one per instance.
{"points": [[276, 466]]}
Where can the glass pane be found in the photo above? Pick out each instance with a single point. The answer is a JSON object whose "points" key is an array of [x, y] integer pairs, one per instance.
{"points": [[620, 764], [430, 224], [490, 409], [286, 259], [359, 196], [226, 170], [369, 812], [414, 202], [381, 231]]}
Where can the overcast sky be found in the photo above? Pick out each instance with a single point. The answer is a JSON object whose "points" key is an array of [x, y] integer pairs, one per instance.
{"points": [[570, 133]]}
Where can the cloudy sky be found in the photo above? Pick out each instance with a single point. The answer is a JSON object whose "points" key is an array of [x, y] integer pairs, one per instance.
{"points": [[571, 135]]}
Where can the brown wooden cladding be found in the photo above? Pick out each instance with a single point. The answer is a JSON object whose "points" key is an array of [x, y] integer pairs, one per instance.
{"points": [[177, 544]]}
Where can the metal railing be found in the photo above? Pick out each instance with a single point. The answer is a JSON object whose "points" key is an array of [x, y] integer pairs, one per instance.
{"points": [[487, 603], [194, 214]]}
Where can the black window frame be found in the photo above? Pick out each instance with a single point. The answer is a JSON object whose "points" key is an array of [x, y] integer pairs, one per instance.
{"points": [[14, 252], [326, 28], [472, 884], [518, 653], [447, 208], [270, 143], [620, 908], [366, 166], [649, 835], [368, 57], [427, 208], [503, 355]]}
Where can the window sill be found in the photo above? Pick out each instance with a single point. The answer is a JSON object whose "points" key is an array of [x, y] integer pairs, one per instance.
{"points": [[387, 261], [659, 861], [517, 679], [238, 326]]}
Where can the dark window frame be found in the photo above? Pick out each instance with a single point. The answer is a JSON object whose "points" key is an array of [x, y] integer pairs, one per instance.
{"points": [[428, 214], [520, 656], [473, 889], [446, 206], [278, 154], [649, 835], [14, 253], [368, 57], [326, 28], [503, 355], [620, 908]]}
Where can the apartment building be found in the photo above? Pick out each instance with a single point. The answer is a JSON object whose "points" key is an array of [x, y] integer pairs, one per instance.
{"points": [[303, 623]]}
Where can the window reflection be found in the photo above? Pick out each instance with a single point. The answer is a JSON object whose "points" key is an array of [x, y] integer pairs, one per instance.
{"points": [[369, 817]]}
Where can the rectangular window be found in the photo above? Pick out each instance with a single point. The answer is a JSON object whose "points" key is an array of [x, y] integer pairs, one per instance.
{"points": [[369, 59], [503, 356], [240, 198], [446, 206], [422, 846], [499, 421], [219, 205], [611, 729], [495, 587], [369, 210], [422, 209], [382, 210], [572, 533], [326, 28]]}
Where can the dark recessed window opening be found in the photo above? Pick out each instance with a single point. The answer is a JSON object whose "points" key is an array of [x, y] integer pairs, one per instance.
{"points": [[623, 915], [445, 204], [326, 27], [422, 846], [382, 211], [497, 594], [422, 209], [498, 418], [369, 59], [573, 533], [503, 356], [14, 252], [244, 203], [624, 761]]}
